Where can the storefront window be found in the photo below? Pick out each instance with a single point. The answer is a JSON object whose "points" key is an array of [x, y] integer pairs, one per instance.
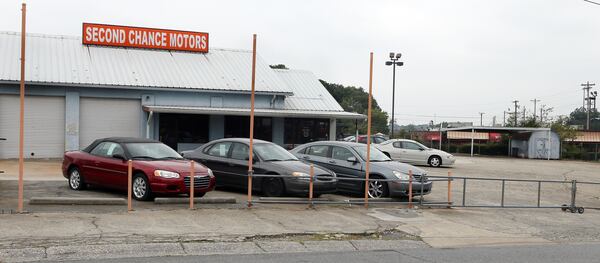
{"points": [[183, 130], [239, 127], [299, 131]]}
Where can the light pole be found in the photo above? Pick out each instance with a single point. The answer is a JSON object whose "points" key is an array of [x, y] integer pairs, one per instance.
{"points": [[394, 57], [481, 119]]}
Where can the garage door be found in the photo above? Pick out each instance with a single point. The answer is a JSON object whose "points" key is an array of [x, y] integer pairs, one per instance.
{"points": [[99, 118], [44, 126]]}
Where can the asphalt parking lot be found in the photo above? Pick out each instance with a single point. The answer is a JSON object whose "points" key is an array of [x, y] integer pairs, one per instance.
{"points": [[458, 227], [43, 179]]}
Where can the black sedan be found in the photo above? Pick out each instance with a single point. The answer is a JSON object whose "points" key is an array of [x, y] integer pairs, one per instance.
{"points": [[347, 159], [228, 159]]}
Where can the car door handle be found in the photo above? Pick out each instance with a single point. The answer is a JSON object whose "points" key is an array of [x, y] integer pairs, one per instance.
{"points": [[306, 158], [331, 161], [231, 164]]}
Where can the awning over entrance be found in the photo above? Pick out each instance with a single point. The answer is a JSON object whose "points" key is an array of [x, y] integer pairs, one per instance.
{"points": [[257, 112]]}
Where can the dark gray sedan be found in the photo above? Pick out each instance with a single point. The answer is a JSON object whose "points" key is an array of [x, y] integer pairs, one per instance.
{"points": [[348, 159], [228, 159]]}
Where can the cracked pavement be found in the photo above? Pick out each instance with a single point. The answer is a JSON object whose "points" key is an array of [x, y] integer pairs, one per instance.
{"points": [[77, 232]]}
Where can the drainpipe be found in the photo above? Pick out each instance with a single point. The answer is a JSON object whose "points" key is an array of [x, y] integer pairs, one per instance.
{"points": [[150, 113]]}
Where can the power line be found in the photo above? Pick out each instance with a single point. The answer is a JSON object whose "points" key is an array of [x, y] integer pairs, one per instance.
{"points": [[591, 2]]}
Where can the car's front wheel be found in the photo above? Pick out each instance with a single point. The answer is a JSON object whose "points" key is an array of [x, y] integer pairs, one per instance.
{"points": [[435, 161], [378, 189], [76, 179], [273, 187], [141, 188]]}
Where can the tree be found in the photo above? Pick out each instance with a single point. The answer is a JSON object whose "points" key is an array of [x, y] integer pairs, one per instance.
{"points": [[564, 130], [355, 99], [579, 117]]}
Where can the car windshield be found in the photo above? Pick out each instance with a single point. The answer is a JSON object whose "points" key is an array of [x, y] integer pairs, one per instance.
{"points": [[272, 152], [376, 155], [152, 150]]}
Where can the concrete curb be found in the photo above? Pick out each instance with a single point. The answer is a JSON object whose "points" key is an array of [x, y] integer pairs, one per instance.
{"points": [[291, 199], [204, 200], [119, 251], [76, 201]]}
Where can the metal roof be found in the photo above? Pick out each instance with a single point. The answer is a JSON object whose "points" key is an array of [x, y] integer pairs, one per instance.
{"points": [[587, 136], [309, 93], [496, 129], [257, 112], [64, 60]]}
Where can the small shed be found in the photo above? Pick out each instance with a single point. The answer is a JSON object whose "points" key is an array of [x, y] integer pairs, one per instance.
{"points": [[532, 143], [536, 145]]}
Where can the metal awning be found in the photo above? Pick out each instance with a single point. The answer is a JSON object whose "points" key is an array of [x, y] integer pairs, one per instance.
{"points": [[495, 129], [257, 112]]}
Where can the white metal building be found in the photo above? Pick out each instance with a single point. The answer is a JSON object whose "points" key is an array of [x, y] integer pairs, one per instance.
{"points": [[76, 93]]}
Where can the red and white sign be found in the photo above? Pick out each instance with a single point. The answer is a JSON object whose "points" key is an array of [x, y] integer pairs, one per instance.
{"points": [[140, 37]]}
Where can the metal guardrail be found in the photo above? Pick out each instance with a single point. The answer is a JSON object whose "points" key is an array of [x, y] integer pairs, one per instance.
{"points": [[570, 206], [2, 139]]}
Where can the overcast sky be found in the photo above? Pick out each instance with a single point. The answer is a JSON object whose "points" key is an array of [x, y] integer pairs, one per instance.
{"points": [[461, 56]]}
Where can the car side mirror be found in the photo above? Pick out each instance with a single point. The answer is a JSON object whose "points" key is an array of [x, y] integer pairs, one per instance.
{"points": [[119, 156], [254, 160], [421, 149], [352, 159]]}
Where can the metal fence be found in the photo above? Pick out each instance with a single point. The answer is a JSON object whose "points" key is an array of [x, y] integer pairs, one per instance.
{"points": [[568, 204]]}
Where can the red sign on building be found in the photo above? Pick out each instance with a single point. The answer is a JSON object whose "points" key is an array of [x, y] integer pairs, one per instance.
{"points": [[140, 37]]}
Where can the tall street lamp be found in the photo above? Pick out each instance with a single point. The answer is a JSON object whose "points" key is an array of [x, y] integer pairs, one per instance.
{"points": [[394, 57]]}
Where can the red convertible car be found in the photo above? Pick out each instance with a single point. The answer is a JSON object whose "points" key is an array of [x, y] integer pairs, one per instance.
{"points": [[157, 169]]}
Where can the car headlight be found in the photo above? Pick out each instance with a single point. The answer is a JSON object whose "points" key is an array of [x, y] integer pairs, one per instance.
{"points": [[449, 156], [210, 173], [301, 176], [166, 174], [400, 175]]}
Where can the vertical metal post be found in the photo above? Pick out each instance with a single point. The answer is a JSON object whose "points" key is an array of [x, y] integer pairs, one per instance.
{"points": [[129, 184], [368, 133], [422, 181], [539, 193], [393, 96], [472, 140], [250, 153], [310, 186], [22, 112], [464, 191], [192, 184], [503, 186], [410, 186], [440, 135], [573, 193], [449, 189], [549, 143]]}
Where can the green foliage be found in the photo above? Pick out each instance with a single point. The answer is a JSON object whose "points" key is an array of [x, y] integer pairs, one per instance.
{"points": [[355, 99], [579, 117], [480, 148], [278, 66], [564, 130]]}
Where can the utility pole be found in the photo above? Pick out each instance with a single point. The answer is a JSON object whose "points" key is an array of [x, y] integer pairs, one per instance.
{"points": [[534, 108], [516, 102], [542, 114], [494, 121], [586, 98], [481, 118]]}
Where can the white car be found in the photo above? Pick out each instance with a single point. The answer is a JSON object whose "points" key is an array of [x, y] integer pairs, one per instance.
{"points": [[409, 151]]}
